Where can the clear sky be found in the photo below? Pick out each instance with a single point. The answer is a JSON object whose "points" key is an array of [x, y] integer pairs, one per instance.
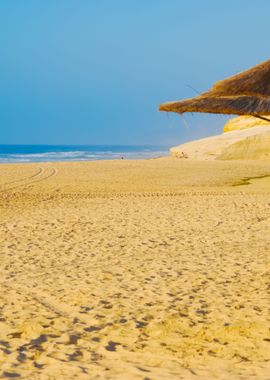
{"points": [[95, 71]]}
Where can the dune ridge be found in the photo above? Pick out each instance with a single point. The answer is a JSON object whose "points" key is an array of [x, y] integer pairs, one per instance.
{"points": [[244, 122], [241, 141]]}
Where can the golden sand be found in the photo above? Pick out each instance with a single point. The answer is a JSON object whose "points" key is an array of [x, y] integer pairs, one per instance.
{"points": [[239, 123], [154, 269]]}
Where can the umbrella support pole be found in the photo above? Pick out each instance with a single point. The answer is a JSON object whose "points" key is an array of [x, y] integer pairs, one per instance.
{"points": [[261, 117]]}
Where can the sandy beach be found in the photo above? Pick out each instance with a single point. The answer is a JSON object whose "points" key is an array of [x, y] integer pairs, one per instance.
{"points": [[144, 269]]}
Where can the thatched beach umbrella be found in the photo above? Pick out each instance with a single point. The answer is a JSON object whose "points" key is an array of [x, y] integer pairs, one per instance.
{"points": [[247, 93]]}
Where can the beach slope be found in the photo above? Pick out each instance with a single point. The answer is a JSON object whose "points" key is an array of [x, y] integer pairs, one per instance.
{"points": [[151, 269]]}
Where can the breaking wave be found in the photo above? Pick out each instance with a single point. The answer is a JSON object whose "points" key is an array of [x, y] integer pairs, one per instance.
{"points": [[20, 154]]}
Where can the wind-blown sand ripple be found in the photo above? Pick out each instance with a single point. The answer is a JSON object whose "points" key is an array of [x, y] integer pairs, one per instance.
{"points": [[154, 269]]}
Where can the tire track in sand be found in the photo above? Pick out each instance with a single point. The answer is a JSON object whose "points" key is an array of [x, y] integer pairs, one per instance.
{"points": [[38, 174]]}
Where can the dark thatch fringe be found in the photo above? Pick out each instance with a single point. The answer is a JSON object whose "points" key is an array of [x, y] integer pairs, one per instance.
{"points": [[247, 93]]}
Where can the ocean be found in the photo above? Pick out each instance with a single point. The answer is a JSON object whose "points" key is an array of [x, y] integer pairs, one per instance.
{"points": [[48, 153]]}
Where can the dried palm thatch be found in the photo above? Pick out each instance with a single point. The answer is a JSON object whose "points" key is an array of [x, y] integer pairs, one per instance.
{"points": [[247, 93]]}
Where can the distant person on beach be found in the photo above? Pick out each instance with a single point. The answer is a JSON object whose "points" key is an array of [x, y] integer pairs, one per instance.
{"points": [[182, 155]]}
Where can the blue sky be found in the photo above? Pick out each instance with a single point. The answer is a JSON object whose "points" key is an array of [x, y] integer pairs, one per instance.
{"points": [[95, 71]]}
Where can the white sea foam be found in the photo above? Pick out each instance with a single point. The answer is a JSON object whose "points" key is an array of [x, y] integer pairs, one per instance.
{"points": [[22, 155]]}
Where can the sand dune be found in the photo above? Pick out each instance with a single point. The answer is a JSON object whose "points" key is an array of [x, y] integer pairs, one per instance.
{"points": [[155, 269], [243, 122], [255, 147], [216, 147]]}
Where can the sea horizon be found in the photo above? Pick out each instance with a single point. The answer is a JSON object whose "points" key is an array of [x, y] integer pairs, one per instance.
{"points": [[24, 153]]}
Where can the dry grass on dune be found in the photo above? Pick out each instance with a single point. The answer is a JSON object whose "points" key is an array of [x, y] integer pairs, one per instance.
{"points": [[153, 269]]}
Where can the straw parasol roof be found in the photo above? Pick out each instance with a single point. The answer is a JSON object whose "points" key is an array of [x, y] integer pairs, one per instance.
{"points": [[247, 93]]}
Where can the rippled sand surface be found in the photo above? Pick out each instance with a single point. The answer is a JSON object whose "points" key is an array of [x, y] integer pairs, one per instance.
{"points": [[155, 269]]}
